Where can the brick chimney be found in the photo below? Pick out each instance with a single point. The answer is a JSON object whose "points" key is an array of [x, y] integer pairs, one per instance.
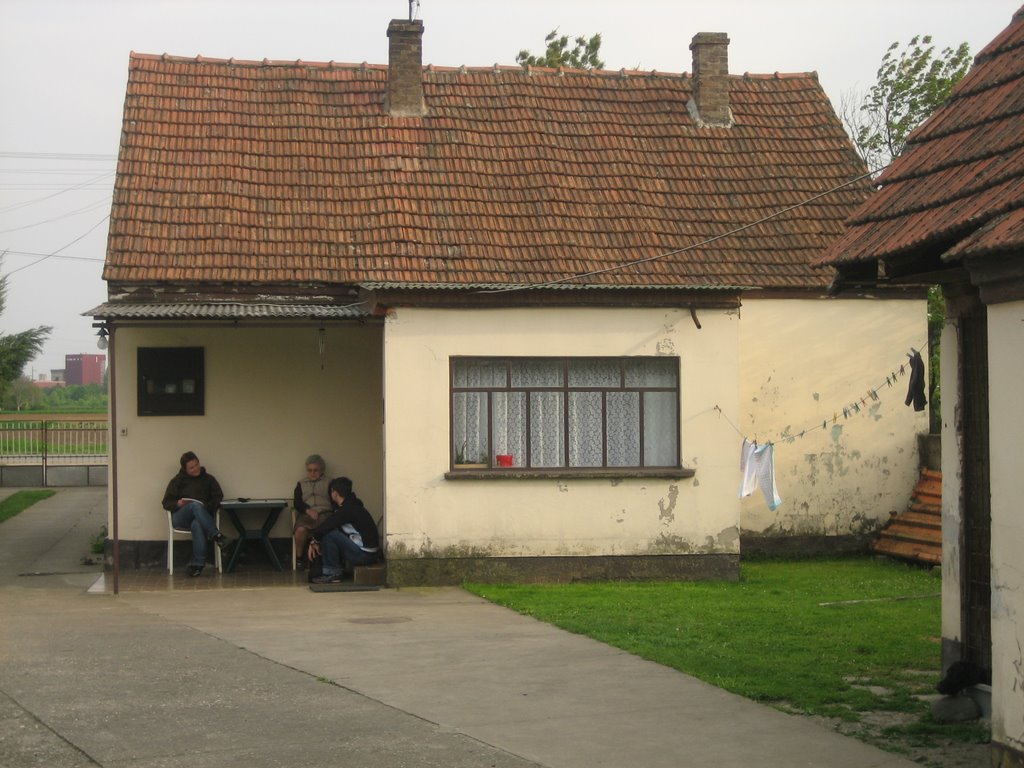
{"points": [[405, 69], [710, 104]]}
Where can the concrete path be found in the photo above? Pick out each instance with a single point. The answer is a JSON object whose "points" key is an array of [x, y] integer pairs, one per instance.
{"points": [[282, 676]]}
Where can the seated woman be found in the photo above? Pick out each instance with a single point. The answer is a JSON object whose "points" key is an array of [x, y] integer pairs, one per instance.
{"points": [[311, 502], [192, 498], [347, 538]]}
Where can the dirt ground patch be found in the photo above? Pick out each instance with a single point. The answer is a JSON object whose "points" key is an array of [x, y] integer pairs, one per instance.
{"points": [[932, 750]]}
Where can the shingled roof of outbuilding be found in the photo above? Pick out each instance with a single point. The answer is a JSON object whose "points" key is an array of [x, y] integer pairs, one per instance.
{"points": [[957, 191], [293, 172]]}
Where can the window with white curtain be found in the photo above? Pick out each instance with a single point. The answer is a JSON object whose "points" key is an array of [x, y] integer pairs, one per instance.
{"points": [[557, 412]]}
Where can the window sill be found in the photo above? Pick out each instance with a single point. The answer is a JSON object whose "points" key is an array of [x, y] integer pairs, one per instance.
{"points": [[563, 473]]}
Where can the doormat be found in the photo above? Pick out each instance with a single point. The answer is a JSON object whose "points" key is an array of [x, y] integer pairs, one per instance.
{"points": [[342, 588]]}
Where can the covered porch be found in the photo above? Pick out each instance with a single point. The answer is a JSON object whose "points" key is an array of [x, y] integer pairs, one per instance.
{"points": [[252, 389]]}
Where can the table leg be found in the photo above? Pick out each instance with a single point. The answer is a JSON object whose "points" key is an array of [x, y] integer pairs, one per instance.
{"points": [[239, 542], [265, 537]]}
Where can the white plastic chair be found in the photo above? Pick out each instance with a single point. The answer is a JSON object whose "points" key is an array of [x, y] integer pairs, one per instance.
{"points": [[172, 532]]}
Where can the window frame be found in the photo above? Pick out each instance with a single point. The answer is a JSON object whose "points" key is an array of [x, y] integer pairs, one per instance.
{"points": [[478, 470], [180, 368]]}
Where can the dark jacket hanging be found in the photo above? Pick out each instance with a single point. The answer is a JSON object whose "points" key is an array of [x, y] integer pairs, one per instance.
{"points": [[915, 394]]}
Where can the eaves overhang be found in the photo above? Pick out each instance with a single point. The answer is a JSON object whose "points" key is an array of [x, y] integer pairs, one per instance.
{"points": [[229, 311]]}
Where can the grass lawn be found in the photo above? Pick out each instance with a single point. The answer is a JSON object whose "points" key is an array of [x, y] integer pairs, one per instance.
{"points": [[21, 500], [837, 638]]}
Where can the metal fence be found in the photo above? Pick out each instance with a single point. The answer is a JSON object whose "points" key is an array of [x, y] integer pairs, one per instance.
{"points": [[53, 443]]}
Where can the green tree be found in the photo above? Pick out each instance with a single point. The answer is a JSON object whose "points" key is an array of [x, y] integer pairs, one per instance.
{"points": [[22, 395], [583, 55], [910, 84], [16, 349]]}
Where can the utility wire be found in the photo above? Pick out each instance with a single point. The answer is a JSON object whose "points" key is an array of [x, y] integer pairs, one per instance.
{"points": [[68, 245], [729, 233], [60, 156], [87, 182], [53, 255], [85, 209]]}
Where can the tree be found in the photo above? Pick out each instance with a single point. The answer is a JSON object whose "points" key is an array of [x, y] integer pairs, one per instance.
{"points": [[910, 85], [16, 349], [584, 55], [21, 395]]}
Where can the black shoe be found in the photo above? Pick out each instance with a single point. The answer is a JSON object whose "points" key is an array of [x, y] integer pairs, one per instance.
{"points": [[195, 570], [300, 564], [327, 579], [219, 540]]}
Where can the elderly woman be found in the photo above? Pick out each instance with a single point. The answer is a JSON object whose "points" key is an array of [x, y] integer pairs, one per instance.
{"points": [[311, 501]]}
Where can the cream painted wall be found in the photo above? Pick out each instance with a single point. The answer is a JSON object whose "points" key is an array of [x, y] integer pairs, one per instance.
{"points": [[429, 515], [801, 363], [268, 406], [1006, 424]]}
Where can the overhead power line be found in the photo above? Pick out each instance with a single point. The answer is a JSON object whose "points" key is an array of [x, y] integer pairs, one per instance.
{"points": [[67, 245], [84, 157]]}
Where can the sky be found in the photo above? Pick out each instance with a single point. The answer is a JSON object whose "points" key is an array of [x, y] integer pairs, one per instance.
{"points": [[64, 67]]}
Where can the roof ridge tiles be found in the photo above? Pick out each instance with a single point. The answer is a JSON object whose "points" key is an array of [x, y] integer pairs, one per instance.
{"points": [[496, 68], [200, 59]]}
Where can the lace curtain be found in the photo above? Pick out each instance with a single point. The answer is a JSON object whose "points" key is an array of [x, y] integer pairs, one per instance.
{"points": [[596, 423]]}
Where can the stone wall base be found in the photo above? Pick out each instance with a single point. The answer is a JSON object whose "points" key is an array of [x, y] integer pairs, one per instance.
{"points": [[436, 571], [139, 555], [759, 545]]}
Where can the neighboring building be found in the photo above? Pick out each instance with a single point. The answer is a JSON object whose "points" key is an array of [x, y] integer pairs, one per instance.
{"points": [[950, 210], [56, 374], [84, 369], [46, 385], [531, 312]]}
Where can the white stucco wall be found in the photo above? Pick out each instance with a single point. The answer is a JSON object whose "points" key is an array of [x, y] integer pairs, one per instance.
{"points": [[1006, 424], [952, 483], [801, 363], [430, 515], [269, 404]]}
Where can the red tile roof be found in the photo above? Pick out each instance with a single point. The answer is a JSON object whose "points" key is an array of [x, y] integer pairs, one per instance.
{"points": [[275, 172], [958, 188]]}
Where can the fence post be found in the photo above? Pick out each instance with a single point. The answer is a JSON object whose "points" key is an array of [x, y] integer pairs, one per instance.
{"points": [[45, 441]]}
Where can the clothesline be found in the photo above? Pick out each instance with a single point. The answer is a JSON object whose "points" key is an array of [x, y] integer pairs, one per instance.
{"points": [[854, 407]]}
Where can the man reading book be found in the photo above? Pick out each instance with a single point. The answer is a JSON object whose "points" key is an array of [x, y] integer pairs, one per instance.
{"points": [[192, 497]]}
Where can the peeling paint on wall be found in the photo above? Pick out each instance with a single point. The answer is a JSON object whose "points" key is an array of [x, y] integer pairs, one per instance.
{"points": [[666, 511]]}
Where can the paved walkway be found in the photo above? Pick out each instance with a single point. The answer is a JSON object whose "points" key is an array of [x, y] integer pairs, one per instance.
{"points": [[281, 676]]}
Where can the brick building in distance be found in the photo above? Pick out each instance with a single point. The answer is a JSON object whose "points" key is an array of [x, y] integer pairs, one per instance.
{"points": [[84, 369]]}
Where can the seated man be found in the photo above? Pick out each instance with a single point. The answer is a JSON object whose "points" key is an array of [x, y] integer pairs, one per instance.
{"points": [[192, 497], [311, 502], [347, 537]]}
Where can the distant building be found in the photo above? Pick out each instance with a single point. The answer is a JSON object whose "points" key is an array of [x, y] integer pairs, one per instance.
{"points": [[56, 374], [47, 385], [84, 369]]}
